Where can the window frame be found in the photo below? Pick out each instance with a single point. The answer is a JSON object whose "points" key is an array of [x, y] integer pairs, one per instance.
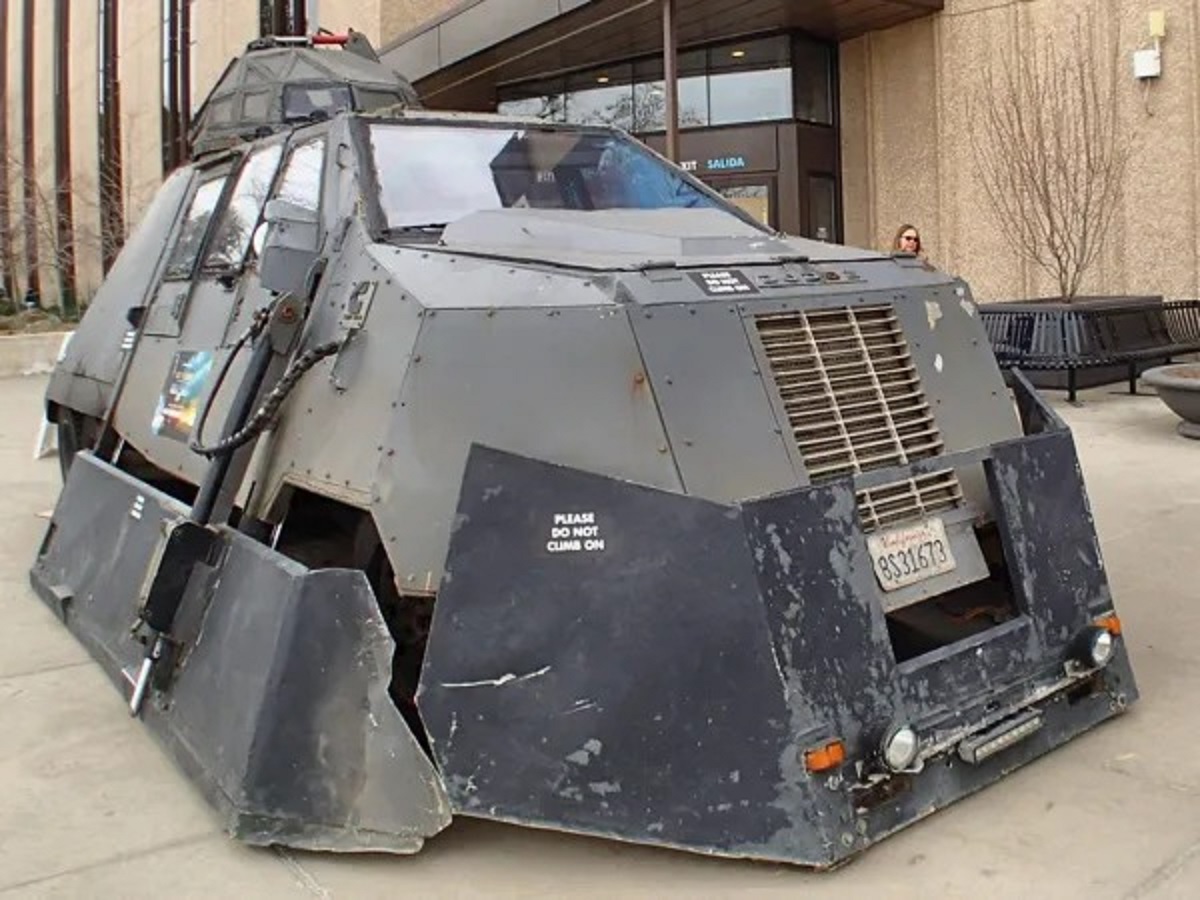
{"points": [[376, 216], [643, 66], [207, 267], [297, 143], [203, 177], [325, 115]]}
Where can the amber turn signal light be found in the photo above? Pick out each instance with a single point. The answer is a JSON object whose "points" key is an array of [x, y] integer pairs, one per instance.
{"points": [[826, 757], [1111, 624]]}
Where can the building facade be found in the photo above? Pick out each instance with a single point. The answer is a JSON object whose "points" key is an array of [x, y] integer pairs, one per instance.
{"points": [[834, 119], [97, 97]]}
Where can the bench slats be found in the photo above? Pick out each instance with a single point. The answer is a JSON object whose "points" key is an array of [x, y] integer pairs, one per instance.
{"points": [[1071, 339]]}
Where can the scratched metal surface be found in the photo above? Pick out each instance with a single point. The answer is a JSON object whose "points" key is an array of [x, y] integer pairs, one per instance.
{"points": [[660, 686]]}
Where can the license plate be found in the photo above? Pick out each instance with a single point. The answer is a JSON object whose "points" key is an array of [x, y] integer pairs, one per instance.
{"points": [[904, 556]]}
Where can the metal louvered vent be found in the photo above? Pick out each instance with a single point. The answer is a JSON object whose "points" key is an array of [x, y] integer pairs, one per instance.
{"points": [[855, 403]]}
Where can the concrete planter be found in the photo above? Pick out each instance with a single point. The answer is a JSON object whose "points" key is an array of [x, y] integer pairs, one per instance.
{"points": [[30, 354], [1179, 388]]}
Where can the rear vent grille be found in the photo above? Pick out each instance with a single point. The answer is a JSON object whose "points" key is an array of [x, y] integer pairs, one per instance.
{"points": [[855, 403]]}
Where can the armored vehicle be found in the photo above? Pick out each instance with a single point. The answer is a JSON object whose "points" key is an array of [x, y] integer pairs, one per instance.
{"points": [[422, 464]]}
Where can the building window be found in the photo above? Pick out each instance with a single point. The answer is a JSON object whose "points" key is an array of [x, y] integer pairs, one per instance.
{"points": [[650, 95], [745, 81], [282, 17], [603, 97], [822, 208], [754, 199], [812, 64], [544, 100], [750, 82]]}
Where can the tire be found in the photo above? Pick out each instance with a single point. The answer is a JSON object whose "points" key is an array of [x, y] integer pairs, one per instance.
{"points": [[68, 440], [75, 432]]}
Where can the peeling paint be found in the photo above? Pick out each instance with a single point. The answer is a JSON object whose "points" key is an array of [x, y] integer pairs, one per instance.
{"points": [[583, 756], [785, 559], [779, 672], [933, 311], [510, 678]]}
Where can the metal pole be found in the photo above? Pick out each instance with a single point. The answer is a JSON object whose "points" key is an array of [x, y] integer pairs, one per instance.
{"points": [[185, 80], [671, 79], [172, 87]]}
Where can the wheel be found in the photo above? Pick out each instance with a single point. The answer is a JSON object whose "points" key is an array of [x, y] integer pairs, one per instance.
{"points": [[75, 432], [68, 440]]}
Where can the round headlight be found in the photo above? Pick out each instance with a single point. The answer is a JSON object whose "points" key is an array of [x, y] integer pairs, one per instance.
{"points": [[1101, 647], [900, 748]]}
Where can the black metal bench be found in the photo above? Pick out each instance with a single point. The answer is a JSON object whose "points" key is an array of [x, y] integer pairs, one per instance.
{"points": [[1069, 339]]}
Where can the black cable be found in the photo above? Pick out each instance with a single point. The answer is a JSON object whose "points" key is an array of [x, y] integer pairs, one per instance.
{"points": [[257, 324], [270, 406]]}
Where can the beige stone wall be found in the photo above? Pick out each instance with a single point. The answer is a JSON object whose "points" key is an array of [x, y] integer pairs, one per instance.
{"points": [[85, 147], [907, 154], [140, 69], [400, 16], [338, 15], [220, 31]]}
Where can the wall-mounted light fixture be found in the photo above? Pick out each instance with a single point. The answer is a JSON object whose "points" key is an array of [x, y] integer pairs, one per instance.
{"points": [[1147, 62]]}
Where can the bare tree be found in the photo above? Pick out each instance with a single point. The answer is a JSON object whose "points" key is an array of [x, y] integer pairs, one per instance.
{"points": [[1049, 150], [59, 251]]}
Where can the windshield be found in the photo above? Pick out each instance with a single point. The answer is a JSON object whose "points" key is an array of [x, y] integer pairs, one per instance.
{"points": [[430, 175]]}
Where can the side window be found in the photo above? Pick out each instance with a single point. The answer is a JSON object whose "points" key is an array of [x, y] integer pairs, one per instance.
{"points": [[195, 226], [303, 102], [241, 215], [301, 182]]}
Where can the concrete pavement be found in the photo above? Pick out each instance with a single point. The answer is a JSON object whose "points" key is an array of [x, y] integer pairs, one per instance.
{"points": [[89, 807]]}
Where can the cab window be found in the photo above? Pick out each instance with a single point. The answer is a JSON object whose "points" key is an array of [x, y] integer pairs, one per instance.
{"points": [[241, 215], [195, 227], [304, 102], [301, 181]]}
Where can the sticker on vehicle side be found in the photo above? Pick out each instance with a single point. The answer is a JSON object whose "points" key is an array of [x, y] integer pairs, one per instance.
{"points": [[179, 403], [724, 283], [574, 532]]}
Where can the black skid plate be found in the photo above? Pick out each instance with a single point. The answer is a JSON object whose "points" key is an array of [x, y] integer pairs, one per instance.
{"points": [[616, 660], [279, 709]]}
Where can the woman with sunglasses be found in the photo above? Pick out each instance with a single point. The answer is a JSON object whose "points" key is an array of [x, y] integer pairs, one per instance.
{"points": [[907, 240]]}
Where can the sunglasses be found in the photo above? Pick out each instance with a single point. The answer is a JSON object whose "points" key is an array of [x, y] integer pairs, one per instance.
{"points": [[911, 237]]}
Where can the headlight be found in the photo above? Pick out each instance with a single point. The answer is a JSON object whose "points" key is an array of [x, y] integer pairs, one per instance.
{"points": [[1100, 647], [900, 748], [1096, 645]]}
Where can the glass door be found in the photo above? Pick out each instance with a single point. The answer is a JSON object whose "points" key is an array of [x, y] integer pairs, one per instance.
{"points": [[822, 207], [754, 196]]}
